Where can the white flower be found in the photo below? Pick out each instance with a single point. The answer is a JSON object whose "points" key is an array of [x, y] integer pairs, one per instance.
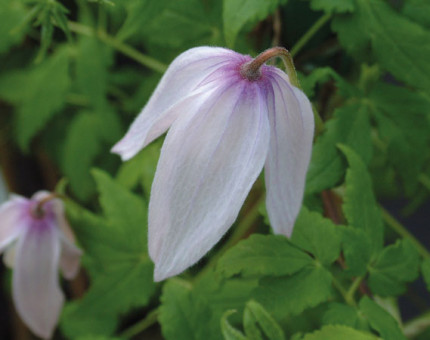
{"points": [[229, 116], [37, 241]]}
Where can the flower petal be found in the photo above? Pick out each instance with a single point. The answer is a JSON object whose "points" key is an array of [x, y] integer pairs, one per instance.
{"points": [[292, 127], [208, 163], [36, 292], [182, 77], [70, 259], [11, 214]]}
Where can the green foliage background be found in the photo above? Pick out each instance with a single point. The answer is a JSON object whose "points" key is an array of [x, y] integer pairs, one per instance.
{"points": [[74, 74]]}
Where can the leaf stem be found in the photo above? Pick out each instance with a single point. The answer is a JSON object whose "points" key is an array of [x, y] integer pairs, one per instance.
{"points": [[352, 289], [349, 300], [118, 45], [402, 231], [150, 319], [310, 33]]}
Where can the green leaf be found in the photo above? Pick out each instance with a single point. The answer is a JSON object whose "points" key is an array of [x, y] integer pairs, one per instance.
{"points": [[255, 317], [425, 269], [418, 11], [330, 6], [11, 13], [350, 125], [341, 314], [357, 250], [116, 257], [380, 320], [43, 93], [268, 255], [339, 333], [317, 235], [170, 23], [228, 331], [395, 265], [401, 46], [238, 13], [183, 315], [360, 206], [293, 294]]}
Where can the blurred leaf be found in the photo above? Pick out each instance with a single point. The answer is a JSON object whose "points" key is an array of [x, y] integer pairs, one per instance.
{"points": [[228, 331], [418, 11], [401, 46], [256, 320], [341, 314], [116, 257], [425, 269], [317, 235], [395, 265], [360, 206], [339, 333], [291, 295], [263, 255], [350, 125], [380, 320], [12, 12], [330, 6], [238, 13]]}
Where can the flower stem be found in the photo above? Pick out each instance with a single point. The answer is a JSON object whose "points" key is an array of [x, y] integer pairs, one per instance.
{"points": [[402, 231], [118, 45], [310, 33], [150, 319]]}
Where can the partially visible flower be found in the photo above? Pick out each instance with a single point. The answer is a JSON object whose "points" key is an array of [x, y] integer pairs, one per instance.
{"points": [[229, 115], [37, 241]]}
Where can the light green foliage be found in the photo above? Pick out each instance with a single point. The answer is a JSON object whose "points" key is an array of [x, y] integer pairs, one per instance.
{"points": [[360, 206], [266, 255], [350, 126], [380, 320], [116, 257], [339, 333], [228, 331], [11, 13], [401, 46], [293, 294], [239, 13], [342, 314], [317, 235], [394, 266], [38, 93], [338, 6], [357, 250]]}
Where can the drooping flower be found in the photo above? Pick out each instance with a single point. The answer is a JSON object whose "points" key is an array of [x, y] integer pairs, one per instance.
{"points": [[37, 241], [229, 115]]}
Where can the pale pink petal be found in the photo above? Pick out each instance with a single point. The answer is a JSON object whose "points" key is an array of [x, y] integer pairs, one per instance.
{"points": [[292, 127], [208, 163], [70, 259], [181, 79], [11, 216], [36, 292]]}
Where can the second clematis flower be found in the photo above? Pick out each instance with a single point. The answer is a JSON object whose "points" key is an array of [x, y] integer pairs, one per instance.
{"points": [[37, 241], [229, 116]]}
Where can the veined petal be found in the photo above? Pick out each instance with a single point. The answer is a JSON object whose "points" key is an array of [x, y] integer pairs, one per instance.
{"points": [[292, 128], [181, 79], [11, 215], [36, 292], [208, 163]]}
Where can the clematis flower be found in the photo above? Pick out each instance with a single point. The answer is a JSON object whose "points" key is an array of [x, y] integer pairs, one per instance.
{"points": [[37, 240], [229, 116]]}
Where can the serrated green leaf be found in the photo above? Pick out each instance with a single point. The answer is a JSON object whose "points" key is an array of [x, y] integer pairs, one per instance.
{"points": [[380, 320], [238, 13], [395, 265], [350, 125], [360, 206], [398, 44], [317, 235], [293, 294], [255, 317], [116, 257], [42, 95], [263, 255], [341, 314], [183, 315], [330, 6], [357, 250], [228, 331], [339, 333]]}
